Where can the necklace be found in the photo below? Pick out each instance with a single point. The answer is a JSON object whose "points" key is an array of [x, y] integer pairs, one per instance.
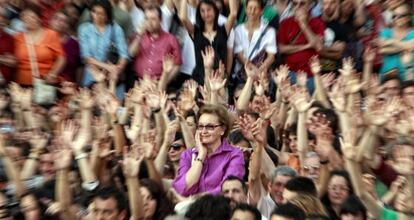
{"points": [[210, 35]]}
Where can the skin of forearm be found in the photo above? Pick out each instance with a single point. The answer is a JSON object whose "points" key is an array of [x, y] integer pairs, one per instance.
{"points": [[193, 175], [161, 158], [135, 198], [302, 136], [291, 118], [64, 194], [320, 92], [133, 48], [245, 94], [29, 167], [388, 198], [85, 169], [269, 60], [86, 122], [323, 180], [160, 127], [391, 50], [173, 73], [344, 122], [8, 60], [289, 49], [410, 182], [119, 138], [187, 135], [58, 66], [153, 172], [254, 175], [366, 73], [312, 37], [367, 143], [331, 54], [29, 119]]}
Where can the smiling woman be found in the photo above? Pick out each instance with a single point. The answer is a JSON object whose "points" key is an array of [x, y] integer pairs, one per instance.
{"points": [[205, 167]]}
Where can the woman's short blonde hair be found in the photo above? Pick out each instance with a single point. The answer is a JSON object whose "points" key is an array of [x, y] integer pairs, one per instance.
{"points": [[221, 112]]}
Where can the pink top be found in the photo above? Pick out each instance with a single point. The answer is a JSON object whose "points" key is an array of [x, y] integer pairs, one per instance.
{"points": [[151, 52]]}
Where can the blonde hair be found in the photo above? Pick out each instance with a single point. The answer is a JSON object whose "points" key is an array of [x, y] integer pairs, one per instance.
{"points": [[311, 205]]}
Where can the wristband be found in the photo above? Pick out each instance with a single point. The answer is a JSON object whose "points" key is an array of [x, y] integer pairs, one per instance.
{"points": [[199, 159], [81, 156]]}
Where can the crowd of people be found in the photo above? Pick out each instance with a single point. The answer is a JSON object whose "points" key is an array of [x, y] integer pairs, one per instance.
{"points": [[207, 109]]}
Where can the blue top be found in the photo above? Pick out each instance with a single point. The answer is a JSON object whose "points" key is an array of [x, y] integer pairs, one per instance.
{"points": [[95, 44], [393, 61]]}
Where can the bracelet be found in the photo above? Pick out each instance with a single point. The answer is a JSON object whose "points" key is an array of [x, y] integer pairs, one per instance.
{"points": [[33, 158], [36, 151], [200, 160], [324, 162], [81, 156]]}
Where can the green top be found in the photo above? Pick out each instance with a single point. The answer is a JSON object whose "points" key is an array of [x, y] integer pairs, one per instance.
{"points": [[389, 214], [269, 13]]}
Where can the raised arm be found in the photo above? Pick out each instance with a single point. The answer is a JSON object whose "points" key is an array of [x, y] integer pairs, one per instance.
{"points": [[182, 14], [231, 19], [11, 169], [244, 98]]}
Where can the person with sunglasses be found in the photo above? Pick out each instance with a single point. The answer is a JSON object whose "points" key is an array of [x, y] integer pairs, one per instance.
{"points": [[204, 167], [397, 39]]}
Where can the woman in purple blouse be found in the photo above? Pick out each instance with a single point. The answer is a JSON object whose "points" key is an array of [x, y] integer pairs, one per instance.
{"points": [[204, 167]]}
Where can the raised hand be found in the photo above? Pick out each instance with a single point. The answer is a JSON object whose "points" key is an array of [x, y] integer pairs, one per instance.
{"points": [[280, 74], [258, 88], [348, 147], [246, 127], [251, 70], [328, 80], [347, 67], [168, 63], [85, 99], [39, 140], [300, 100], [216, 82], [315, 65], [208, 57], [259, 131], [97, 74], [63, 157], [153, 99], [192, 87], [132, 161], [337, 98], [301, 78], [369, 55], [171, 130], [26, 98]]}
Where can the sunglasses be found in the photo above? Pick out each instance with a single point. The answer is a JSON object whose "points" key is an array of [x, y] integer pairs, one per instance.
{"points": [[397, 16], [176, 147]]}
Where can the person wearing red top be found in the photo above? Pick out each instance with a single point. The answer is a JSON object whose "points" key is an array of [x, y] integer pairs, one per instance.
{"points": [[152, 45], [7, 58], [49, 8], [300, 37]]}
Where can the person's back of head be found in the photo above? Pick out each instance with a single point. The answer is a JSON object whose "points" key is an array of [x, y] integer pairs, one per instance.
{"points": [[209, 207], [354, 207], [301, 185], [287, 211], [243, 210], [310, 204]]}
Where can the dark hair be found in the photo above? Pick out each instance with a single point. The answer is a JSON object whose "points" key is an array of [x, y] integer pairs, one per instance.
{"points": [[199, 21], [391, 76], [236, 136], [289, 210], [246, 207], [110, 192], [155, 8], [353, 206], [261, 3], [209, 207], [407, 84], [302, 185], [190, 113], [235, 178], [106, 5], [317, 217], [331, 116], [164, 204], [33, 8]]}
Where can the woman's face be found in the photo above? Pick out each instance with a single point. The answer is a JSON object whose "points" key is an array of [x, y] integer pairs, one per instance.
{"points": [[347, 7], [150, 205], [207, 13], [211, 130], [59, 22], [175, 150], [401, 16], [30, 19], [253, 10], [338, 190], [99, 15]]}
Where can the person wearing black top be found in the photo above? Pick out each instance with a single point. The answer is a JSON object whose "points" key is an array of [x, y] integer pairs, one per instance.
{"points": [[208, 33]]}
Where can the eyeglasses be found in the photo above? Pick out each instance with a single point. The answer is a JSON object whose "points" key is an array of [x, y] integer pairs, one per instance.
{"points": [[175, 147], [298, 3], [396, 16], [207, 127], [339, 188]]}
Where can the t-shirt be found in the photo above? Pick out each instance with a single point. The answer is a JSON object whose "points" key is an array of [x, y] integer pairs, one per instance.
{"points": [[288, 31], [389, 214], [334, 31], [47, 50]]}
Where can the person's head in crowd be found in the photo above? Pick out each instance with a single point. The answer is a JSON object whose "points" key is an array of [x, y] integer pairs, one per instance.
{"points": [[353, 209], [29, 207], [17, 154], [393, 4], [291, 139], [288, 211], [209, 207], [297, 186], [339, 189], [213, 124], [237, 139], [101, 12], [301, 5], [234, 189], [46, 165], [191, 119], [153, 16], [254, 9], [221, 6], [3, 18], [73, 12], [391, 84], [311, 166], [330, 10], [347, 8], [31, 17], [176, 148], [310, 204], [401, 16], [60, 22], [330, 116], [258, 102], [109, 204], [207, 13], [280, 176], [407, 92], [245, 212], [156, 205]]}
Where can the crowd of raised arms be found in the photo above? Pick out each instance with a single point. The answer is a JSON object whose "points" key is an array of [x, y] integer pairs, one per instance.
{"points": [[207, 109]]}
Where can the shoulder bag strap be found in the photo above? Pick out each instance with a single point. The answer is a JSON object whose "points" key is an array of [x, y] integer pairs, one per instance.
{"points": [[259, 41], [32, 57]]}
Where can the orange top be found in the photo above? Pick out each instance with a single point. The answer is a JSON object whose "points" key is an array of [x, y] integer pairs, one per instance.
{"points": [[47, 50], [293, 162]]}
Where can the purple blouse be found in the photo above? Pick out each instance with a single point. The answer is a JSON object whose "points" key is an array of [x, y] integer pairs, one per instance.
{"points": [[225, 161]]}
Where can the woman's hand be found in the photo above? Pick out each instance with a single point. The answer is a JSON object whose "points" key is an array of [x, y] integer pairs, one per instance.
{"points": [[202, 150]]}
